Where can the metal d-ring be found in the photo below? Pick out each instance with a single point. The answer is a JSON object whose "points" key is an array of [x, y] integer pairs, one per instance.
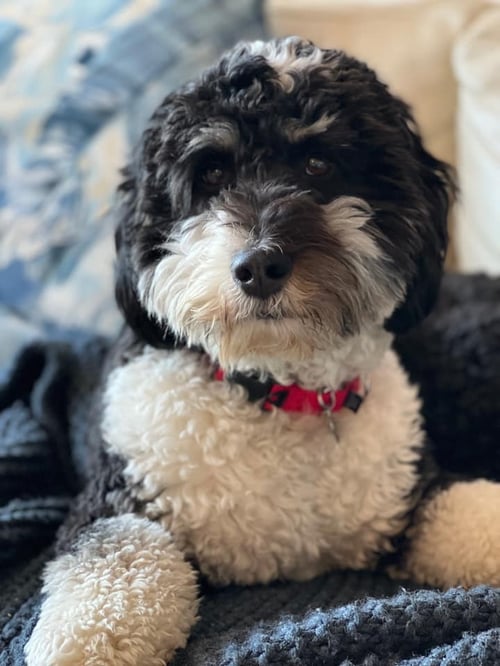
{"points": [[328, 412]]}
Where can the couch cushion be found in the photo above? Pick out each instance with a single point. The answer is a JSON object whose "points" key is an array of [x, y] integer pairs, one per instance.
{"points": [[77, 83], [476, 61]]}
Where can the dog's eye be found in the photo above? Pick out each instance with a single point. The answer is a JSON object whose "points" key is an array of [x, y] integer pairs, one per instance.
{"points": [[214, 176], [213, 172], [315, 166]]}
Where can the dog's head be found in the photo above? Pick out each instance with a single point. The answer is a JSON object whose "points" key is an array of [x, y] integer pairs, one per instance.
{"points": [[281, 203]]}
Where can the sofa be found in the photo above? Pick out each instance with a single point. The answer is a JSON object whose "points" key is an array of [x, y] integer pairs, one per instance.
{"points": [[77, 82], [443, 57]]}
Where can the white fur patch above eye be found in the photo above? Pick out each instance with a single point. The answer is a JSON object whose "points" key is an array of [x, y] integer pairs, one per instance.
{"points": [[281, 55], [297, 132], [218, 135]]}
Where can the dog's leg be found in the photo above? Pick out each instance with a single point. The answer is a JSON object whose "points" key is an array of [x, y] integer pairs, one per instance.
{"points": [[455, 538], [123, 596]]}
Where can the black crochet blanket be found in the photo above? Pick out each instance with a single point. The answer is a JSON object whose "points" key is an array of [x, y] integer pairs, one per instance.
{"points": [[343, 618]]}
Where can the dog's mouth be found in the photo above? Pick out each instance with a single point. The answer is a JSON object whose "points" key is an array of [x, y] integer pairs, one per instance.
{"points": [[269, 316], [269, 310]]}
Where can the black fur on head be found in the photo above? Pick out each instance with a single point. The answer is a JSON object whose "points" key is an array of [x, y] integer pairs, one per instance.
{"points": [[234, 149]]}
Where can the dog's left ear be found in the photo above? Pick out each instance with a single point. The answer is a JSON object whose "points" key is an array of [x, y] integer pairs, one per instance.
{"points": [[435, 188], [128, 238]]}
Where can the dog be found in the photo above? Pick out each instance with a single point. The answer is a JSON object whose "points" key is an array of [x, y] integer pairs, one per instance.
{"points": [[279, 223]]}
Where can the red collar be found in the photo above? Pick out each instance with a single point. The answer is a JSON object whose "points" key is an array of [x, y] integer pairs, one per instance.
{"points": [[294, 398]]}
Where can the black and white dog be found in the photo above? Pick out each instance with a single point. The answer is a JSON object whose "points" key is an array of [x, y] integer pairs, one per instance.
{"points": [[280, 222]]}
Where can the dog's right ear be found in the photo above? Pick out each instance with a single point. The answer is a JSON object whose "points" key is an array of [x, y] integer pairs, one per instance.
{"points": [[127, 232]]}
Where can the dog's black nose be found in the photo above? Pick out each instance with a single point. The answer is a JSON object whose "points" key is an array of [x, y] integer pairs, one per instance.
{"points": [[260, 273]]}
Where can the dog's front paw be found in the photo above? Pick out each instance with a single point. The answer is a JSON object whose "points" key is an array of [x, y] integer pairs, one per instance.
{"points": [[456, 537], [124, 597]]}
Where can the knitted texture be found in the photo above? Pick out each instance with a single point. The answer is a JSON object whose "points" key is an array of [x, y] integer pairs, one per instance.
{"points": [[345, 618]]}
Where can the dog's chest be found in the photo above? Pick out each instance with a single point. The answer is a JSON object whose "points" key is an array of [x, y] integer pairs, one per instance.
{"points": [[252, 495]]}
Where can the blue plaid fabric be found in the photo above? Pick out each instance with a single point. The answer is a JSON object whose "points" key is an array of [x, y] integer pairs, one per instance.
{"points": [[78, 81]]}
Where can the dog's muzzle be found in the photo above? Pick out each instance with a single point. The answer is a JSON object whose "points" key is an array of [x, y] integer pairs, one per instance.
{"points": [[260, 273]]}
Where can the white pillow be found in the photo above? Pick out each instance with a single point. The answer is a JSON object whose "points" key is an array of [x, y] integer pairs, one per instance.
{"points": [[476, 61]]}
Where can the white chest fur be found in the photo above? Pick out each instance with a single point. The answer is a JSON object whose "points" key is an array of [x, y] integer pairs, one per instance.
{"points": [[252, 495]]}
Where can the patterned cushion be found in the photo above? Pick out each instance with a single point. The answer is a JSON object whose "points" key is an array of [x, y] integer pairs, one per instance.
{"points": [[78, 81]]}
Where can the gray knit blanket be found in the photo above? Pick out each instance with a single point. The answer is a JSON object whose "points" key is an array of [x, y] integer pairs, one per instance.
{"points": [[343, 618]]}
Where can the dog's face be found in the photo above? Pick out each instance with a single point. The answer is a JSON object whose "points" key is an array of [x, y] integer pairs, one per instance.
{"points": [[281, 204]]}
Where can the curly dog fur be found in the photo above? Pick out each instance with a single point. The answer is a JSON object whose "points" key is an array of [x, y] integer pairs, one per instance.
{"points": [[281, 220]]}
